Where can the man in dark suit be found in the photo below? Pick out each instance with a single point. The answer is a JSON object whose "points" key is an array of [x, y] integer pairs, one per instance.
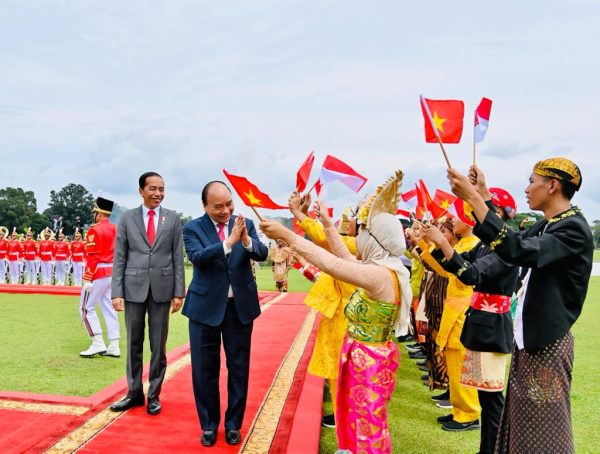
{"points": [[148, 277], [221, 303]]}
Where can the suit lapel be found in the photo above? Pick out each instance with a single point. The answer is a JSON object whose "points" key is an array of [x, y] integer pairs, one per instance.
{"points": [[161, 220], [138, 218], [208, 226]]}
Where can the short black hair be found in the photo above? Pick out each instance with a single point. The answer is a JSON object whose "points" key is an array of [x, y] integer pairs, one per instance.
{"points": [[207, 187], [144, 176], [567, 189]]}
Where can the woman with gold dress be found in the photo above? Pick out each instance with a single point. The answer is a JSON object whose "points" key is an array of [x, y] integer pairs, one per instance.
{"points": [[369, 357]]}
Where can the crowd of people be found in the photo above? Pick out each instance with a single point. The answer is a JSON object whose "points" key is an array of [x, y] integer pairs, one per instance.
{"points": [[475, 292], [478, 292], [48, 258]]}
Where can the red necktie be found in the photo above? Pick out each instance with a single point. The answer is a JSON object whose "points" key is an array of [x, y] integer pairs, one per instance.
{"points": [[150, 230], [221, 231]]}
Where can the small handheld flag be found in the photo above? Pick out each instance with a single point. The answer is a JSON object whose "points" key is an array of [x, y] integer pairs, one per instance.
{"points": [[250, 194], [445, 124], [482, 120], [334, 169], [303, 173]]}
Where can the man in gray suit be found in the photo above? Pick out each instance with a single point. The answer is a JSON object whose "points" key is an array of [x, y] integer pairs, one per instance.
{"points": [[148, 274]]}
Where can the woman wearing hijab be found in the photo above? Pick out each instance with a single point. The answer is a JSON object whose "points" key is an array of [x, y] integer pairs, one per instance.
{"points": [[369, 356]]}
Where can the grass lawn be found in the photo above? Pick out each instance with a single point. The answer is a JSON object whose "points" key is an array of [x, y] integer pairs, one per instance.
{"points": [[596, 255], [42, 336], [412, 414]]}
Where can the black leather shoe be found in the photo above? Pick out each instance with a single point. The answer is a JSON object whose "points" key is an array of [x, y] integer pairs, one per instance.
{"points": [[233, 437], [127, 403], [209, 438], [153, 406]]}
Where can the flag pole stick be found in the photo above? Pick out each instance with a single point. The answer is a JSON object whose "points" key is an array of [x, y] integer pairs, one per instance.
{"points": [[474, 153], [312, 187], [435, 129], [260, 218], [444, 151]]}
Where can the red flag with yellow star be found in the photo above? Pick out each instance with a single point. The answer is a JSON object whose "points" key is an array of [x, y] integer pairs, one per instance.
{"points": [[443, 119], [250, 194], [443, 199]]}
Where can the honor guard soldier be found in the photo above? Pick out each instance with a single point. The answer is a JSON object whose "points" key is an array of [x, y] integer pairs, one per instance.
{"points": [[30, 252], [15, 254], [3, 253], [61, 258], [46, 251], [77, 257], [99, 249]]}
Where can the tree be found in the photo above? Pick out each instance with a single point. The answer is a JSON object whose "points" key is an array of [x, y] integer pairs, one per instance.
{"points": [[17, 208], [596, 232], [70, 207], [531, 219]]}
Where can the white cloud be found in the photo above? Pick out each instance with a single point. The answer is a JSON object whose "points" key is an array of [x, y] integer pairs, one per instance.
{"points": [[97, 93]]}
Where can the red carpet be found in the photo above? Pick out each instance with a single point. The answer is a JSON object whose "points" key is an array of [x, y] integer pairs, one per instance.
{"points": [[281, 345], [40, 289]]}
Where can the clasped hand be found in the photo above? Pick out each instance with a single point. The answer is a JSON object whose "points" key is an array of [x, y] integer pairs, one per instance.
{"points": [[238, 232]]}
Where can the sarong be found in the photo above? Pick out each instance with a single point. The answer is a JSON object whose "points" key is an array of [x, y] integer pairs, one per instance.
{"points": [[484, 370], [366, 382], [434, 306], [537, 412]]}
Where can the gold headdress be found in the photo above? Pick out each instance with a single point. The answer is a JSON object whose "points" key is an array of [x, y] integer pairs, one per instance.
{"points": [[384, 200], [345, 222], [28, 231], [45, 231], [562, 169], [3, 232], [14, 232]]}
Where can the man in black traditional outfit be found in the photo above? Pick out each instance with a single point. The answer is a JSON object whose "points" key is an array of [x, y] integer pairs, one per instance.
{"points": [[556, 259]]}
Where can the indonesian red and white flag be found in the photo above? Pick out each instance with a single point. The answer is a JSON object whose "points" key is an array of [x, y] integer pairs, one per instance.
{"points": [[482, 119], [335, 170], [408, 204]]}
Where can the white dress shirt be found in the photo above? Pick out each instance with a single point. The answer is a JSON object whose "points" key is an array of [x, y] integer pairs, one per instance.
{"points": [[228, 250], [146, 216]]}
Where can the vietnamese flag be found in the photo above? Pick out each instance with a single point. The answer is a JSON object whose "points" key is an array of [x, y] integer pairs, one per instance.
{"points": [[435, 210], [296, 228], [250, 194], [443, 120], [421, 208], [303, 173], [443, 199]]}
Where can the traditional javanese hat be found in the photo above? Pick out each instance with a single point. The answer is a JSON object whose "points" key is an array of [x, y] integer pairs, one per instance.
{"points": [[384, 200], [29, 232], [102, 205], [562, 169]]}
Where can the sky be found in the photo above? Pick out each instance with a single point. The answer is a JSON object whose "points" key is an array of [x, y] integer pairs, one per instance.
{"points": [[98, 92]]}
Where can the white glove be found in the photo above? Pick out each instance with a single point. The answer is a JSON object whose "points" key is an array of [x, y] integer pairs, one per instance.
{"points": [[87, 286]]}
